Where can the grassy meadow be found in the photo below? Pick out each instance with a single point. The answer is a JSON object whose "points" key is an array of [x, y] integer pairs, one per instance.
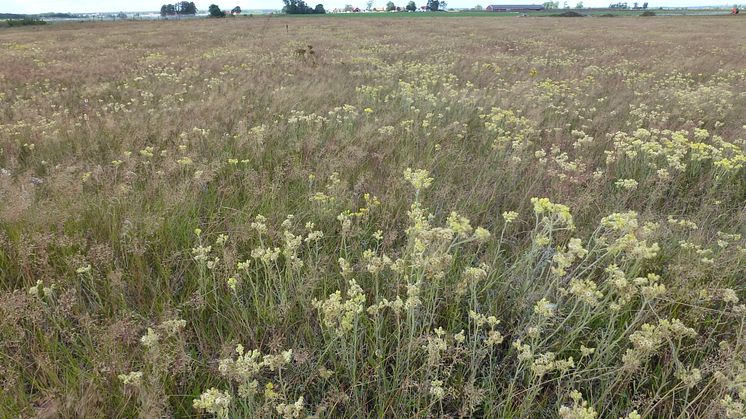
{"points": [[411, 217]]}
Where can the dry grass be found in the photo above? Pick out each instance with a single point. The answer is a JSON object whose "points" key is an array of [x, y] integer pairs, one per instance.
{"points": [[136, 158]]}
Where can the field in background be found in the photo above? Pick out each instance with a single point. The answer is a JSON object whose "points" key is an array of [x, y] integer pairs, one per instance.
{"points": [[604, 12], [283, 217], [8, 19]]}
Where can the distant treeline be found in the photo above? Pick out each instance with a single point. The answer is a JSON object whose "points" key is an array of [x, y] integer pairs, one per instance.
{"points": [[299, 7], [26, 21], [60, 16], [11, 16], [41, 16]]}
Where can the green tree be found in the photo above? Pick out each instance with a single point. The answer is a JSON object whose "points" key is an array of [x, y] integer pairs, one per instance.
{"points": [[551, 5], [297, 7], [411, 6], [390, 6], [433, 5], [215, 11], [189, 8], [168, 10], [579, 5], [478, 8], [236, 10], [180, 8], [319, 9]]}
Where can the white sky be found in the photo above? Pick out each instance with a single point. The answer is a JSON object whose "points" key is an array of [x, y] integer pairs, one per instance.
{"points": [[81, 6]]}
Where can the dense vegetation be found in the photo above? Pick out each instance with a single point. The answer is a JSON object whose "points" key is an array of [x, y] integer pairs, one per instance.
{"points": [[179, 8], [437, 217], [299, 7], [27, 21]]}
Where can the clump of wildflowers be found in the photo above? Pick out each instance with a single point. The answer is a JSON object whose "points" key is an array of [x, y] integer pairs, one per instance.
{"points": [[647, 340], [290, 410], [419, 179], [247, 366], [555, 213], [340, 315], [579, 409], [133, 378], [40, 290], [214, 401]]}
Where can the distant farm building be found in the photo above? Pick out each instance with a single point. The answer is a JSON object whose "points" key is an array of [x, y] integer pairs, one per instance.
{"points": [[514, 7]]}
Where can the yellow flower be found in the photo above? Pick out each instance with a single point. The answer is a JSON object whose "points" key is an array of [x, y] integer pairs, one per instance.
{"points": [[214, 401], [134, 378], [232, 283], [510, 216], [418, 178]]}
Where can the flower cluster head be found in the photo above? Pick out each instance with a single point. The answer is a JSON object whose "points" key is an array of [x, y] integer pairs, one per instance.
{"points": [[201, 253], [290, 410], [579, 409], [150, 339], [733, 408], [247, 365], [548, 362], [375, 264], [437, 390], [586, 291], [494, 337], [436, 345], [313, 235], [266, 254], [729, 296], [40, 290], [564, 259], [647, 340], [689, 377], [683, 223], [525, 353], [510, 216], [419, 178], [650, 287], [623, 229], [413, 296], [340, 315], [147, 152], [291, 246], [459, 224], [165, 330], [626, 184], [83, 269], [260, 224], [481, 235], [214, 401], [395, 305], [133, 378], [232, 283], [544, 309], [624, 222], [557, 214], [470, 277]]}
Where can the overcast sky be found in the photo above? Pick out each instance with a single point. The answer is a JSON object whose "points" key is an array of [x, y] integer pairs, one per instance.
{"points": [[41, 6]]}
